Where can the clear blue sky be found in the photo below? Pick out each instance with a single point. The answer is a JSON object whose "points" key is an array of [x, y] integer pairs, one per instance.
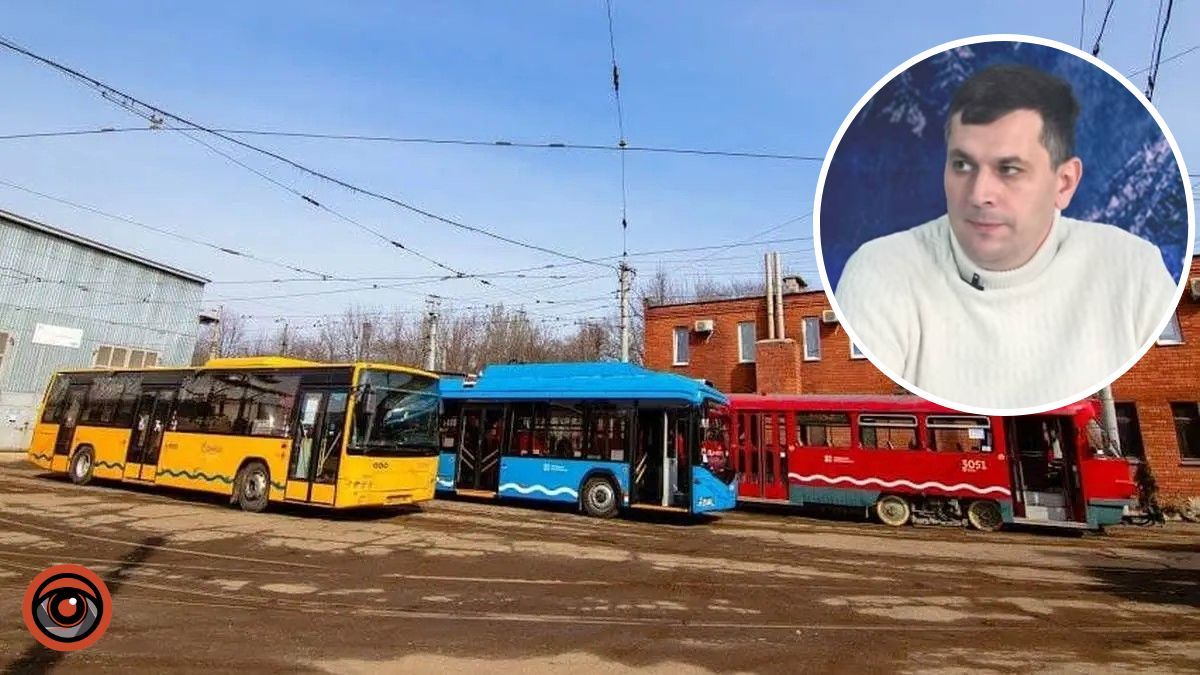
{"points": [[760, 76]]}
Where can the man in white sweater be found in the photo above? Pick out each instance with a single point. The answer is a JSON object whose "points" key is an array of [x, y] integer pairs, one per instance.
{"points": [[1002, 303]]}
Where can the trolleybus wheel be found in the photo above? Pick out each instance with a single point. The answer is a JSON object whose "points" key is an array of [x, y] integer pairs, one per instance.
{"points": [[251, 487], [82, 465], [985, 515], [599, 498], [893, 510]]}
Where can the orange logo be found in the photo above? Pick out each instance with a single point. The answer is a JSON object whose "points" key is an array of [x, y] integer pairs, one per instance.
{"points": [[67, 607]]}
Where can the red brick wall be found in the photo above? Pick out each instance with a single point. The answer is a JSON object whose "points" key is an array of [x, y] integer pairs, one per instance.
{"points": [[1166, 374], [777, 366]]}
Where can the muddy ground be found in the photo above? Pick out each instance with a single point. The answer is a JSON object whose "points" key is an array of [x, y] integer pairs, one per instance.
{"points": [[466, 586]]}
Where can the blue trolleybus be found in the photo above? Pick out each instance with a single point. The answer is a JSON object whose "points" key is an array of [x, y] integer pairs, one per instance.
{"points": [[608, 436]]}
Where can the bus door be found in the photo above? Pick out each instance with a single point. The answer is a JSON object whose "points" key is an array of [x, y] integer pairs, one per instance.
{"points": [[68, 417], [317, 442], [1045, 467], [479, 446], [677, 484], [648, 457], [150, 422]]}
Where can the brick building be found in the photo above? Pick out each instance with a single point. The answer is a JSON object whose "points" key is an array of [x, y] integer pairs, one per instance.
{"points": [[1158, 400]]}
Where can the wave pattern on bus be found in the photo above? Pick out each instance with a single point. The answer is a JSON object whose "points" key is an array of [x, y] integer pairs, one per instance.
{"points": [[530, 489]]}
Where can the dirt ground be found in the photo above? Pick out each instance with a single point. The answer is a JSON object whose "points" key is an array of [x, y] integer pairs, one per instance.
{"points": [[463, 586]]}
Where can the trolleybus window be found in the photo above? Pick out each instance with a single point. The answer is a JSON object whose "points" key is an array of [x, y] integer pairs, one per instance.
{"points": [[566, 431], [609, 433]]}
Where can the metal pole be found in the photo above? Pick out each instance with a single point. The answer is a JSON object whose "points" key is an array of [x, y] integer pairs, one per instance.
{"points": [[770, 289], [778, 267], [626, 274], [1109, 416], [431, 336]]}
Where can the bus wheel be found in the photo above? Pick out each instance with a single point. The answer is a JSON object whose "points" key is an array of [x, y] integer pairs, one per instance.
{"points": [[985, 516], [251, 487], [893, 510], [81, 467], [599, 498]]}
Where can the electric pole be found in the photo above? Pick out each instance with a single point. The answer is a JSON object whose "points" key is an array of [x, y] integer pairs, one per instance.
{"points": [[626, 280], [283, 339], [431, 322]]}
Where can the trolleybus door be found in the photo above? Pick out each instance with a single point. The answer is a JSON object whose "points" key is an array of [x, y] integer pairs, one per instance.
{"points": [[479, 445], [68, 418]]}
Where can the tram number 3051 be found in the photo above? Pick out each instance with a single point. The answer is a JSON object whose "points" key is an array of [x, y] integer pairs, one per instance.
{"points": [[973, 465]]}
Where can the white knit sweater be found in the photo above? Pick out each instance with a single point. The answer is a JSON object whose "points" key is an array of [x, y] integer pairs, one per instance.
{"points": [[1053, 328]]}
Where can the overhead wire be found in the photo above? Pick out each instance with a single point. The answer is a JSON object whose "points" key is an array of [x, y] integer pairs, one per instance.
{"points": [[161, 114]]}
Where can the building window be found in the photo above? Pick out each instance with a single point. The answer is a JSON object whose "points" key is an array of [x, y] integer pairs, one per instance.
{"points": [[1129, 432], [1172, 334], [681, 347], [855, 352], [108, 356], [746, 342], [812, 338], [4, 338], [1187, 429]]}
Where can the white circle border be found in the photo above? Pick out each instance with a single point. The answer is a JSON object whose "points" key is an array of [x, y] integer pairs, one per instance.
{"points": [[963, 42]]}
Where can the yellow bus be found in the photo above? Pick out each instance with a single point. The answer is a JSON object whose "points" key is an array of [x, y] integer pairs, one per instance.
{"points": [[260, 430]]}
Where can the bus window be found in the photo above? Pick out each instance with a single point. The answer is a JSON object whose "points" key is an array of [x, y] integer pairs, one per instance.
{"points": [[529, 430], [888, 432], [55, 398], [959, 433], [268, 403], [566, 431], [609, 435], [823, 429]]}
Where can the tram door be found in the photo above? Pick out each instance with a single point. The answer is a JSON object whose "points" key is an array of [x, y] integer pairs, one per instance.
{"points": [[763, 445]]}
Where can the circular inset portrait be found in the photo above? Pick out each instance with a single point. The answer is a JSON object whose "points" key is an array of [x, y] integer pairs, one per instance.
{"points": [[1003, 224]]}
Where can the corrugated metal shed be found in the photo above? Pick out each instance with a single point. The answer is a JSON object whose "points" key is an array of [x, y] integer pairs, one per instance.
{"points": [[82, 293]]}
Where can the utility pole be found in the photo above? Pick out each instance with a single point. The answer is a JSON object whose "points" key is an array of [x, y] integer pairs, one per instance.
{"points": [[283, 339], [431, 322], [626, 282], [364, 347], [215, 350]]}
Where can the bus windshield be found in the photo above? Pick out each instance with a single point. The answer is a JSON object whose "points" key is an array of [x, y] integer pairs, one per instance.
{"points": [[395, 414], [714, 449]]}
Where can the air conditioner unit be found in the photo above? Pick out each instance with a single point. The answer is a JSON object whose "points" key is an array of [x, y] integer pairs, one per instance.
{"points": [[705, 326], [1194, 285], [829, 316]]}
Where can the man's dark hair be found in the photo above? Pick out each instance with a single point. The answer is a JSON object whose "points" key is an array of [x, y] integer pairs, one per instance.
{"points": [[998, 90]]}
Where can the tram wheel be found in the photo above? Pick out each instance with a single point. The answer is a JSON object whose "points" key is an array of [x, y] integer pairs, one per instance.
{"points": [[83, 462], [599, 498], [985, 515], [893, 510], [252, 486]]}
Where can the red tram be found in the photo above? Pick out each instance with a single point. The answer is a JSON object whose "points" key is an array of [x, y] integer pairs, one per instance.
{"points": [[906, 459]]}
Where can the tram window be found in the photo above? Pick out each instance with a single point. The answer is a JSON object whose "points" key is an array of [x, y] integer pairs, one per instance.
{"points": [[565, 431], [823, 429], [959, 433], [888, 432]]}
